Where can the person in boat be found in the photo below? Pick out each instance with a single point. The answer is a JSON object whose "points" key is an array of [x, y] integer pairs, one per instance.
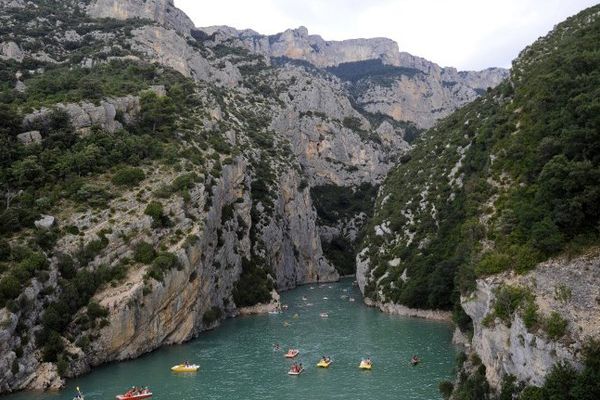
{"points": [[415, 360], [78, 396]]}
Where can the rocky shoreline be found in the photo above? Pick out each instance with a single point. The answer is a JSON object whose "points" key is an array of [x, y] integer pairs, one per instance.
{"points": [[399, 309]]}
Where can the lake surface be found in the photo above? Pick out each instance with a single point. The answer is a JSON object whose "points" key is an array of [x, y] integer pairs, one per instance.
{"points": [[238, 361]]}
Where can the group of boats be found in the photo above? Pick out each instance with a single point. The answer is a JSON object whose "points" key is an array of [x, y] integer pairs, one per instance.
{"points": [[324, 362], [140, 393]]}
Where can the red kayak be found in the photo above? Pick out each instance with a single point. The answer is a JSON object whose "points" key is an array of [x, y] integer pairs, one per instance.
{"points": [[144, 394]]}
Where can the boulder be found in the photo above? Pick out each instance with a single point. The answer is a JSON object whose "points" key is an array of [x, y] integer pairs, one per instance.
{"points": [[11, 51], [29, 137], [46, 222]]}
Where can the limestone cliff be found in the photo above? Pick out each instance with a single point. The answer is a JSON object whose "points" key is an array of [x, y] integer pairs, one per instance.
{"points": [[162, 11], [415, 90], [567, 287]]}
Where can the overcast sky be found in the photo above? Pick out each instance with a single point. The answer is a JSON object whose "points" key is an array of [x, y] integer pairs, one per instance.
{"points": [[467, 34]]}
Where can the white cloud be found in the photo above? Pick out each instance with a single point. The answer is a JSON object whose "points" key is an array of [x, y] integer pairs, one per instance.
{"points": [[468, 34]]}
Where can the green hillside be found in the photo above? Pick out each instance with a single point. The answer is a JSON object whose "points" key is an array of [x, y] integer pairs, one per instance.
{"points": [[503, 183]]}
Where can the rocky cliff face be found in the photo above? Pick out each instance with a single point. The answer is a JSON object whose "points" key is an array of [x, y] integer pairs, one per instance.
{"points": [[416, 90], [162, 11], [566, 287]]}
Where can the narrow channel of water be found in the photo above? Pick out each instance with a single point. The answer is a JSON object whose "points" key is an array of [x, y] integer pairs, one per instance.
{"points": [[238, 362]]}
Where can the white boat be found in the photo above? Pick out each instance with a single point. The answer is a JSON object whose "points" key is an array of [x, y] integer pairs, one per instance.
{"points": [[352, 299], [295, 373], [324, 315]]}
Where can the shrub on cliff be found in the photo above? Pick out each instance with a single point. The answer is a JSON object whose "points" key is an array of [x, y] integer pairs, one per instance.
{"points": [[144, 253], [161, 264], [154, 209], [211, 315], [128, 176], [254, 285]]}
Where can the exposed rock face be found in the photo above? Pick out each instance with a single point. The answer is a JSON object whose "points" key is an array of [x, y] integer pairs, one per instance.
{"points": [[167, 47], [46, 222], [162, 11], [11, 51], [531, 355], [331, 152], [296, 233], [29, 137], [422, 92], [85, 115], [399, 309], [12, 3]]}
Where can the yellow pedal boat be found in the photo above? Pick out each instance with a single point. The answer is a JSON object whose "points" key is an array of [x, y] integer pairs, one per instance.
{"points": [[185, 368], [365, 365], [324, 363]]}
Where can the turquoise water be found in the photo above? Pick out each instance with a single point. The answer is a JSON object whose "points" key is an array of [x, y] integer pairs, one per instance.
{"points": [[238, 362]]}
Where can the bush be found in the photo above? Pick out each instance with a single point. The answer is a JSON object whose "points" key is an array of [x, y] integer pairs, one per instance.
{"points": [[128, 176], [95, 310], [144, 253], [508, 300], [254, 285], [530, 316], [9, 288], [155, 210], [493, 263], [212, 315], [161, 264], [445, 388], [53, 347], [555, 326]]}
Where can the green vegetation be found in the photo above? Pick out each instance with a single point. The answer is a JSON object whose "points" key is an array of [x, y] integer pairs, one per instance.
{"points": [[162, 263], [155, 210], [339, 204], [370, 69], [335, 203], [144, 253], [128, 176], [555, 326], [508, 300], [254, 285], [518, 169], [211, 315]]}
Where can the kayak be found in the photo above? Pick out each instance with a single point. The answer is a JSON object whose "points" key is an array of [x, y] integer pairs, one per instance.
{"points": [[185, 368], [292, 353], [324, 364], [365, 365], [295, 373], [140, 396]]}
